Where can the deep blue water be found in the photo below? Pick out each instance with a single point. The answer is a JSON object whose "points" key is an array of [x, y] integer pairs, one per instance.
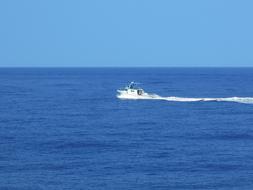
{"points": [[65, 129]]}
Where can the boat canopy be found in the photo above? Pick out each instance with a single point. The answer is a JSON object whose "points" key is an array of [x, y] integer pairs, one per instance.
{"points": [[132, 85]]}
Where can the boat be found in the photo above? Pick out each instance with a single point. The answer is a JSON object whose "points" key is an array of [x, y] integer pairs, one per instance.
{"points": [[131, 91]]}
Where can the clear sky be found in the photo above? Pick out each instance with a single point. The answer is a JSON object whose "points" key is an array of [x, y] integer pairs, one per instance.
{"points": [[86, 33]]}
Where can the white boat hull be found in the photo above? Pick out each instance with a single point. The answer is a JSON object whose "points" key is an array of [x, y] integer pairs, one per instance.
{"points": [[125, 94]]}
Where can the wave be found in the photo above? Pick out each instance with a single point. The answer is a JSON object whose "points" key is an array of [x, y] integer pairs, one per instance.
{"points": [[147, 96]]}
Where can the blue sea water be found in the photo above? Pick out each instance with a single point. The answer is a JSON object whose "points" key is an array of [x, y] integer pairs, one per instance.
{"points": [[65, 129]]}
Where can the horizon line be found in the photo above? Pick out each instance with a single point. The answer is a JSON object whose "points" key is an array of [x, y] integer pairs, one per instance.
{"points": [[119, 67]]}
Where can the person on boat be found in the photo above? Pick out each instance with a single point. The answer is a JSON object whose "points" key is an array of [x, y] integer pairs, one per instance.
{"points": [[131, 85]]}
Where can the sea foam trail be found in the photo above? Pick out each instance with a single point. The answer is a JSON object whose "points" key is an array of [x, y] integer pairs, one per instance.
{"points": [[146, 96]]}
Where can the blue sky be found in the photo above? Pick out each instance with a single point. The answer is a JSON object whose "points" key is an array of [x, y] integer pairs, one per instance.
{"points": [[93, 33]]}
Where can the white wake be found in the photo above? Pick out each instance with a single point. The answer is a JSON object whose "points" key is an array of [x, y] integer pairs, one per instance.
{"points": [[146, 96]]}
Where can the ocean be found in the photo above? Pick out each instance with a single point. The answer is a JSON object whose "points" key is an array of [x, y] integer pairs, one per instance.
{"points": [[64, 128]]}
